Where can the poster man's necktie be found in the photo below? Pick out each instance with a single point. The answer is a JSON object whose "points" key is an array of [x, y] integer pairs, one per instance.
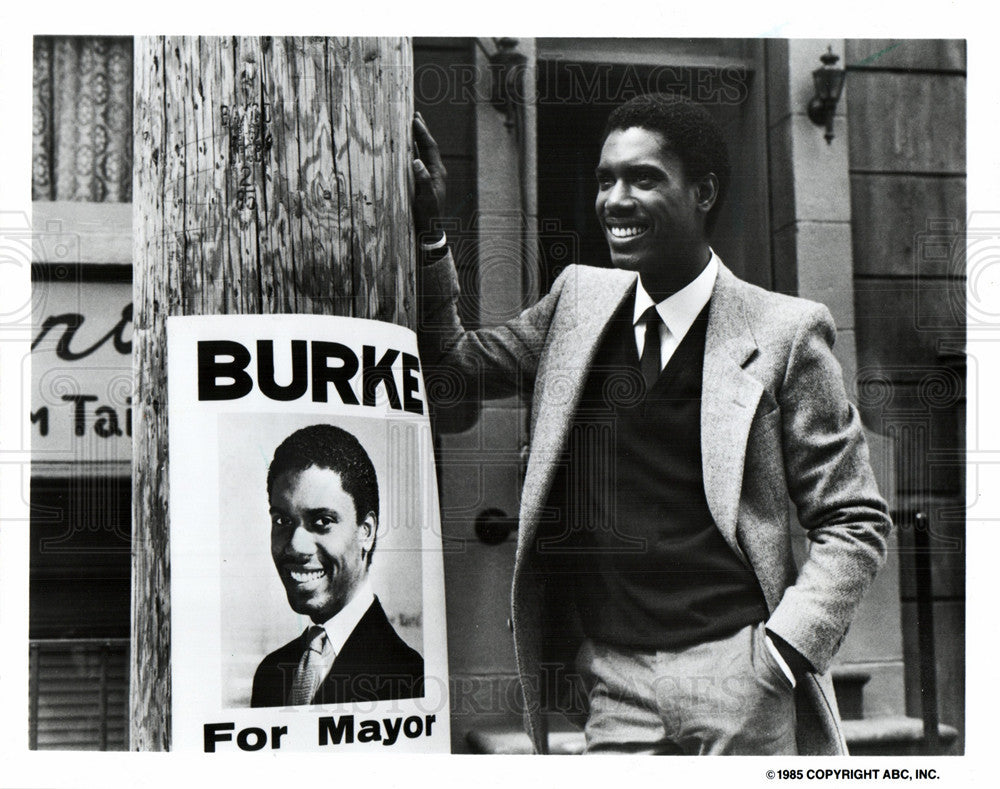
{"points": [[649, 363], [312, 667]]}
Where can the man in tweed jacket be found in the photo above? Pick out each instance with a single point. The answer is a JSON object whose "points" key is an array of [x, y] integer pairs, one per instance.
{"points": [[725, 401]]}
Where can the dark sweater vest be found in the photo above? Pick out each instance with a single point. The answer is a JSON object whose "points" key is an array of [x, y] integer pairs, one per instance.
{"points": [[636, 539]]}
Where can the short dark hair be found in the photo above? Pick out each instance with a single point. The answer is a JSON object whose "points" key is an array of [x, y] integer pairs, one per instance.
{"points": [[330, 447], [688, 129]]}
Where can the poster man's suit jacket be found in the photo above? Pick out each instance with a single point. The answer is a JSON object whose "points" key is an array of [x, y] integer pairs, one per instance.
{"points": [[374, 664], [775, 423]]}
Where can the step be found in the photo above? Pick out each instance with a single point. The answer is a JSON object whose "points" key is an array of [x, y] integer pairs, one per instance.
{"points": [[509, 738], [849, 685], [895, 735]]}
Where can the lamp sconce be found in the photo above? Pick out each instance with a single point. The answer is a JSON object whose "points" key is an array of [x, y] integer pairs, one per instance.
{"points": [[828, 82], [507, 71]]}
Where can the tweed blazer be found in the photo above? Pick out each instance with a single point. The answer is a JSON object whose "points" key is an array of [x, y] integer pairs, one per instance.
{"points": [[776, 425]]}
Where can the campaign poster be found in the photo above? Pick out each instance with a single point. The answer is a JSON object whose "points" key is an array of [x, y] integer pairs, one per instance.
{"points": [[307, 589]]}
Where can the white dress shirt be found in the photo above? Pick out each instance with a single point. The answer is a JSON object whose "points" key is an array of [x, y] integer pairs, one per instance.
{"points": [[340, 626], [677, 311]]}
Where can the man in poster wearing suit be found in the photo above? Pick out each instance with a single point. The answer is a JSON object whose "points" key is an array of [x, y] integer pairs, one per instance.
{"points": [[323, 495], [675, 410]]}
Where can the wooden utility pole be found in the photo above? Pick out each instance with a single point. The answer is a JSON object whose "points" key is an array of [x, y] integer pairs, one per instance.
{"points": [[270, 177]]}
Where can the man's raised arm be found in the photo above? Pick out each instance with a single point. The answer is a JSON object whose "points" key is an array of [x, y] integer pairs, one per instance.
{"points": [[429, 176], [493, 362]]}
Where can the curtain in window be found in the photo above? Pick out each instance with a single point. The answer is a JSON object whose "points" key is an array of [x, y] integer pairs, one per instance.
{"points": [[82, 125]]}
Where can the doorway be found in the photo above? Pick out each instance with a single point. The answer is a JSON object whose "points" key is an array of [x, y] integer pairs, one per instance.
{"points": [[574, 98]]}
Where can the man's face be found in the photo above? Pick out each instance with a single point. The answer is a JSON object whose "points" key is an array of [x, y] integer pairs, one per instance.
{"points": [[317, 541], [649, 211]]}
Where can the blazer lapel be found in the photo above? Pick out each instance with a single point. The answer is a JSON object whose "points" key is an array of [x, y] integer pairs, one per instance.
{"points": [[584, 311], [728, 403]]}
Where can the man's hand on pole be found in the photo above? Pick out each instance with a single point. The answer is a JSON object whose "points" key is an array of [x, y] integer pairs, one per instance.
{"points": [[429, 181]]}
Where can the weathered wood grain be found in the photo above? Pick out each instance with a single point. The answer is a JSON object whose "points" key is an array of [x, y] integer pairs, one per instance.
{"points": [[270, 177]]}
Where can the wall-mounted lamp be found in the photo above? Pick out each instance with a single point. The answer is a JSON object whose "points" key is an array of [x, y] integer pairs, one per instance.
{"points": [[828, 82]]}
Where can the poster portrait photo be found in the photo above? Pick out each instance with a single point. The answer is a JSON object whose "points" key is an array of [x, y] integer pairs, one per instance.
{"points": [[317, 530]]}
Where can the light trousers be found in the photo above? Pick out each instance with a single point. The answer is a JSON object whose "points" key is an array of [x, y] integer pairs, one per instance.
{"points": [[728, 696]]}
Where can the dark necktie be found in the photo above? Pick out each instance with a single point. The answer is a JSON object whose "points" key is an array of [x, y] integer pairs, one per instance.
{"points": [[649, 363]]}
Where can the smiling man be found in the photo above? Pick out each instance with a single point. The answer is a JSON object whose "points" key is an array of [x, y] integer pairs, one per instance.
{"points": [[675, 412], [323, 495]]}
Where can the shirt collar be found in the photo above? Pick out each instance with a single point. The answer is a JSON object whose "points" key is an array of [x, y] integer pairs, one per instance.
{"points": [[679, 310], [340, 626]]}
